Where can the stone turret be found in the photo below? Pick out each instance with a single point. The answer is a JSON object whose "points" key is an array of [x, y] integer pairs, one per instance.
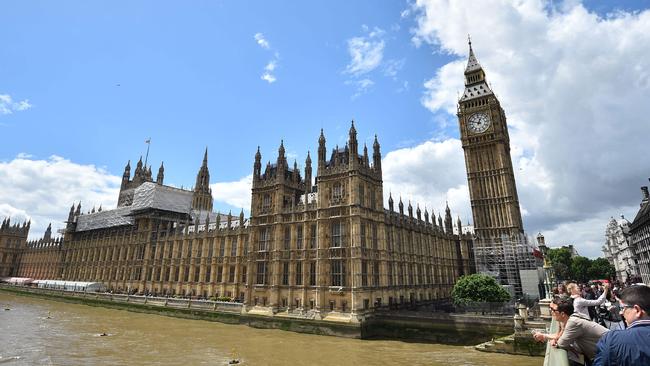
{"points": [[161, 174], [202, 198]]}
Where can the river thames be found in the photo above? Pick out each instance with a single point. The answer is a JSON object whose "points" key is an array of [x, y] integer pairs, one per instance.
{"points": [[41, 332]]}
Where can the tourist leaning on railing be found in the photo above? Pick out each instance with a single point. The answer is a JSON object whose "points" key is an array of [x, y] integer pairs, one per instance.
{"points": [[630, 346], [580, 333], [543, 337], [581, 305]]}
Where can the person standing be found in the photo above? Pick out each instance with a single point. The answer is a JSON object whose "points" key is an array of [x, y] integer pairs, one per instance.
{"points": [[580, 304], [630, 346], [580, 334]]}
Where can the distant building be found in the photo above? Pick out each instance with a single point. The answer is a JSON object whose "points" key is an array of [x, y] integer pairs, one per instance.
{"points": [[617, 249], [640, 236]]}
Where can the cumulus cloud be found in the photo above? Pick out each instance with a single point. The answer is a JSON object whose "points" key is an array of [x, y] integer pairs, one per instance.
{"points": [[8, 105], [236, 194], [44, 190], [429, 174], [574, 86]]}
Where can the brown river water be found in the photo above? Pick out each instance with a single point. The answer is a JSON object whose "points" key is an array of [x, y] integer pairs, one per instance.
{"points": [[42, 332]]}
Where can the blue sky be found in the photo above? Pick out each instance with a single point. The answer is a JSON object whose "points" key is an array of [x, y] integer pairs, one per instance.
{"points": [[83, 84], [189, 77]]}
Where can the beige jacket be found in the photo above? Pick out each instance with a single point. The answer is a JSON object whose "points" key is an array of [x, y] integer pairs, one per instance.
{"points": [[581, 335]]}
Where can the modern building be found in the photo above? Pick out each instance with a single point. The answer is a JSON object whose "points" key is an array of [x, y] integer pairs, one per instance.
{"points": [[320, 247], [618, 251], [640, 236]]}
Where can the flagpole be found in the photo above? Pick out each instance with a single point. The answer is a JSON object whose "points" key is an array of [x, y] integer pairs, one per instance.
{"points": [[148, 142]]}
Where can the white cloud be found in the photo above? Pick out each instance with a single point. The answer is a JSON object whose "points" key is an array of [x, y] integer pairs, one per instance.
{"points": [[268, 77], [236, 194], [574, 86], [429, 174], [366, 53], [259, 38], [270, 66], [8, 105], [361, 86], [268, 74], [44, 190]]}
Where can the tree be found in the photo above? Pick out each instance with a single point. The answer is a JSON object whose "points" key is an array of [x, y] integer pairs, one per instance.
{"points": [[560, 259], [601, 269], [580, 268], [478, 288]]}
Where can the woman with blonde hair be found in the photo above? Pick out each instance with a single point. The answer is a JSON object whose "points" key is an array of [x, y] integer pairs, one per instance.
{"points": [[580, 304]]}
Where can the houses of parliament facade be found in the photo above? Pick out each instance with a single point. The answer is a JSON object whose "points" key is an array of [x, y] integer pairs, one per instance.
{"points": [[321, 247]]}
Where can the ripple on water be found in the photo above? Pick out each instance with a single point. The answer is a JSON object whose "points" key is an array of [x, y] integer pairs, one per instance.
{"points": [[70, 338]]}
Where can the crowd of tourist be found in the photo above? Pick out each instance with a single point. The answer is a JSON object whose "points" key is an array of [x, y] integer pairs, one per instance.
{"points": [[601, 325]]}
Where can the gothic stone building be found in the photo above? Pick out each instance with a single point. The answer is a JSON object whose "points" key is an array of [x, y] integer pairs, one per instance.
{"points": [[315, 248], [640, 236], [12, 242], [618, 251]]}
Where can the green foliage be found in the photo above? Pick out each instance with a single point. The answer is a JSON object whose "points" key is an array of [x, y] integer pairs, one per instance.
{"points": [[578, 268], [561, 261], [601, 269], [478, 288]]}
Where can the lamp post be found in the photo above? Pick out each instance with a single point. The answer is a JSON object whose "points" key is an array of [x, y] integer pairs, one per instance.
{"points": [[548, 279]]}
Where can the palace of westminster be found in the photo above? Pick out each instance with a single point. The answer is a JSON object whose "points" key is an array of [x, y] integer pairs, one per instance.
{"points": [[320, 245]]}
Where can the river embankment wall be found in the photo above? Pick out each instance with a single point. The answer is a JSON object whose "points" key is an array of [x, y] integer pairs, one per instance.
{"points": [[426, 327]]}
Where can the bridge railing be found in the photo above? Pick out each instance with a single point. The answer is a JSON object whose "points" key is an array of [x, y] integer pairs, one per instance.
{"points": [[555, 356]]}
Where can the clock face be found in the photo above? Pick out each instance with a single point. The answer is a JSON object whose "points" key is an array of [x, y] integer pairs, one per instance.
{"points": [[478, 122]]}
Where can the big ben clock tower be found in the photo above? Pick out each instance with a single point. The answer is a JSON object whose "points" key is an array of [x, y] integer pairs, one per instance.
{"points": [[484, 135]]}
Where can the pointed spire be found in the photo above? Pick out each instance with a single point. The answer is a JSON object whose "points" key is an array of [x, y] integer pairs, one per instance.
{"points": [[410, 208], [322, 151], [161, 174], [365, 155], [205, 157], [257, 165], [281, 149], [401, 206], [376, 155], [48, 233], [448, 222], [390, 201], [472, 62], [241, 218], [307, 175]]}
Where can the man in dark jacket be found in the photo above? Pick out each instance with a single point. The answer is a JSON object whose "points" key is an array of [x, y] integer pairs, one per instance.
{"points": [[630, 346]]}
